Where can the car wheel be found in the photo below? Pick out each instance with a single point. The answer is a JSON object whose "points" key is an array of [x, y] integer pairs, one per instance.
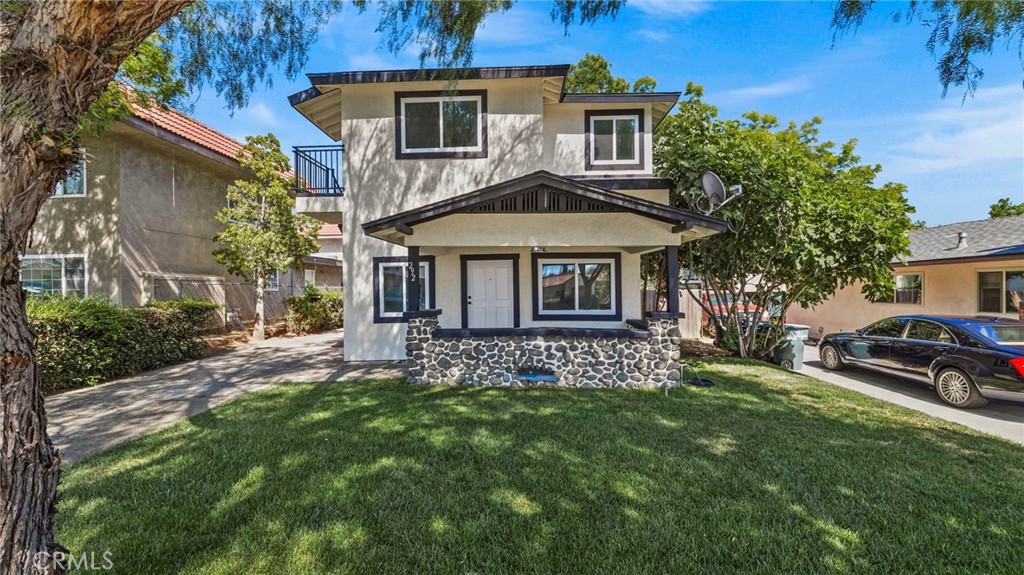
{"points": [[957, 388], [830, 357], [786, 363]]}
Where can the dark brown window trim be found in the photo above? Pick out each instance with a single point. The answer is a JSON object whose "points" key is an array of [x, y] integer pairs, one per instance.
{"points": [[400, 120], [377, 304], [569, 256], [589, 114]]}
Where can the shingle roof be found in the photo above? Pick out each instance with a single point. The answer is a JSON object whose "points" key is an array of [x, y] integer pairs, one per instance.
{"points": [[985, 238], [189, 129]]}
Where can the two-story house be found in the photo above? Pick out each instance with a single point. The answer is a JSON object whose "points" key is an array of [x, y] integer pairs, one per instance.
{"points": [[497, 216], [136, 220]]}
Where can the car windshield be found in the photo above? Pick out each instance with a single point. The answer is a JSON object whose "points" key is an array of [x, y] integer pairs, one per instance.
{"points": [[1004, 334]]}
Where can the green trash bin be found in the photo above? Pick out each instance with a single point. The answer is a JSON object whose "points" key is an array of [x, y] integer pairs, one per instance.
{"points": [[790, 353]]}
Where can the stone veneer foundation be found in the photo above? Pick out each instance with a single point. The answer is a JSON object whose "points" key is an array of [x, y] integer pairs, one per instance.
{"points": [[643, 359]]}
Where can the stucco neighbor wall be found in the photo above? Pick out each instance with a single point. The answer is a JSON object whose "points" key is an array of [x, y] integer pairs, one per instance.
{"points": [[948, 289], [88, 225]]}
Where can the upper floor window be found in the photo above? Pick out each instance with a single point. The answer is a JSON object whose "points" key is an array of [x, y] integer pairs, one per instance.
{"points": [[614, 139], [46, 274], [74, 184], [441, 124]]}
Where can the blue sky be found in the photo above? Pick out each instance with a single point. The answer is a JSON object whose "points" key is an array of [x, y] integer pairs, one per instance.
{"points": [[880, 86]]}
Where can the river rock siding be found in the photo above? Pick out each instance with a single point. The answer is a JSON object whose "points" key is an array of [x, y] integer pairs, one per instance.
{"points": [[575, 361]]}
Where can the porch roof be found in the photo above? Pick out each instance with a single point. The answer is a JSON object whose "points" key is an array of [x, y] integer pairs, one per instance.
{"points": [[543, 192]]}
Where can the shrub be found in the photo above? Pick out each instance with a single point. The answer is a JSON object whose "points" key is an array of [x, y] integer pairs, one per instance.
{"points": [[315, 310], [202, 315], [84, 341]]}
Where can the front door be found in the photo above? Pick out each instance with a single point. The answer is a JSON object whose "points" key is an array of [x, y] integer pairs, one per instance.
{"points": [[490, 293]]}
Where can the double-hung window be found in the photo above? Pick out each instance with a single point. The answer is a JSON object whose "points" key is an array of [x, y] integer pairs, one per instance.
{"points": [[614, 139], [1000, 291], [577, 287], [441, 125], [909, 290], [390, 283], [73, 185], [49, 274]]}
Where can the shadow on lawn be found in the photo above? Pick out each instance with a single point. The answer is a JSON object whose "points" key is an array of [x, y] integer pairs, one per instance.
{"points": [[781, 476]]}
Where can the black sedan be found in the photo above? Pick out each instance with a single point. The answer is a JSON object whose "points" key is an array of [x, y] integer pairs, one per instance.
{"points": [[968, 359]]}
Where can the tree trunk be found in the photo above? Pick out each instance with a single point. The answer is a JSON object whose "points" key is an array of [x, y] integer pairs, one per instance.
{"points": [[259, 332], [56, 58]]}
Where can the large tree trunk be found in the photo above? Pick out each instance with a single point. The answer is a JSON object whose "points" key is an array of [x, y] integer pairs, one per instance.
{"points": [[56, 58], [259, 329]]}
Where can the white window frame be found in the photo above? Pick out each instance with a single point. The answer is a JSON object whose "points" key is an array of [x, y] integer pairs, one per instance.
{"points": [[1002, 289], [577, 262], [274, 285], [439, 99], [424, 281], [615, 149], [63, 269], [892, 296], [85, 180]]}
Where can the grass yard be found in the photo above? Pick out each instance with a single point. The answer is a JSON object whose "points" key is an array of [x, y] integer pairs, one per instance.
{"points": [[768, 472]]}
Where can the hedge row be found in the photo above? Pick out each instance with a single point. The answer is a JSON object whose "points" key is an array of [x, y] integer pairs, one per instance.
{"points": [[315, 310], [84, 341]]}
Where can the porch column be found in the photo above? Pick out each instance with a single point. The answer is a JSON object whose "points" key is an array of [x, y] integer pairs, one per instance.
{"points": [[412, 280], [672, 281]]}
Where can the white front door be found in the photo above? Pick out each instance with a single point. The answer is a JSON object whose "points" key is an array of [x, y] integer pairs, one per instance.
{"points": [[490, 293]]}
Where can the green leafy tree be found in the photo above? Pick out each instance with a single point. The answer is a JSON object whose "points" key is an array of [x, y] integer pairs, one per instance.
{"points": [[809, 220], [58, 59], [1005, 208], [593, 75], [960, 31], [263, 235]]}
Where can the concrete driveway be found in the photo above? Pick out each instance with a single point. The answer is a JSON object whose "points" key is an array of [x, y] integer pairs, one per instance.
{"points": [[1000, 418], [91, 420]]}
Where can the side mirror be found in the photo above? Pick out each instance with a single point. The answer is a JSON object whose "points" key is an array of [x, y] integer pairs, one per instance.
{"points": [[859, 331]]}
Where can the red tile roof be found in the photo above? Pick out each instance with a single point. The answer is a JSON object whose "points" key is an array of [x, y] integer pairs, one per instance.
{"points": [[190, 129], [329, 231]]}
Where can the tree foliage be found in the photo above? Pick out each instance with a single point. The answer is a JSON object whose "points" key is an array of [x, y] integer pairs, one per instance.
{"points": [[593, 75], [263, 234], [1005, 208], [809, 221], [960, 31]]}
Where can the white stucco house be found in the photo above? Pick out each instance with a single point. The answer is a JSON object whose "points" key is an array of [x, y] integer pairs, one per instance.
{"points": [[493, 222]]}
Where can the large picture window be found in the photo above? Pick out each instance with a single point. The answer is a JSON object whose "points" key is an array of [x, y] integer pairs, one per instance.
{"points": [[577, 287], [441, 125], [389, 284], [614, 139], [45, 274], [909, 290], [1000, 291], [73, 186]]}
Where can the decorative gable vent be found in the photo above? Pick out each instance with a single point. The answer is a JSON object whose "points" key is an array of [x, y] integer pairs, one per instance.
{"points": [[539, 200]]}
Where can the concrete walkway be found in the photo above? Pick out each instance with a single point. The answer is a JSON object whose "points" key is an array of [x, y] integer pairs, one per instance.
{"points": [[1000, 418], [91, 420]]}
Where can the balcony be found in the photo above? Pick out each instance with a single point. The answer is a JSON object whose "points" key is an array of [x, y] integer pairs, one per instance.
{"points": [[318, 182]]}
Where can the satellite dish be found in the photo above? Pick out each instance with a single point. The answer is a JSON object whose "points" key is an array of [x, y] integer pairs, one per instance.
{"points": [[714, 189]]}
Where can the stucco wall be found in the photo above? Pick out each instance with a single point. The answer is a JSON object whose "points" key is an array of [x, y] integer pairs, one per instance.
{"points": [[169, 199], [88, 225], [948, 289]]}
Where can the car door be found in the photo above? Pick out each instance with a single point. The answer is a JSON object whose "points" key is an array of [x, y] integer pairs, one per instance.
{"points": [[871, 346], [922, 342]]}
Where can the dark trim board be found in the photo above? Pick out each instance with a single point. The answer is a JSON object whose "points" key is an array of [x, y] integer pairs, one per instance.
{"points": [[435, 74], [641, 131], [464, 259], [631, 98], [626, 182], [431, 301], [562, 256], [399, 123], [544, 332]]}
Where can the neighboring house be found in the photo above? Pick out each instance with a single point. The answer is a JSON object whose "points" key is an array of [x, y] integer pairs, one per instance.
{"points": [[136, 221], [968, 268], [497, 207]]}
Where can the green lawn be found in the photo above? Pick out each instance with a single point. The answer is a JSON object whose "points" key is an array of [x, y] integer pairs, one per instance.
{"points": [[767, 472]]}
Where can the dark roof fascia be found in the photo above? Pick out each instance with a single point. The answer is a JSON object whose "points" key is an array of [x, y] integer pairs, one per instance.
{"points": [[304, 96], [960, 260], [626, 182], [170, 137], [436, 210], [322, 260], [435, 74], [631, 98]]}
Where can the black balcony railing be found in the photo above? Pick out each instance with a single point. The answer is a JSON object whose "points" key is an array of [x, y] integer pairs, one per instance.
{"points": [[318, 170]]}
